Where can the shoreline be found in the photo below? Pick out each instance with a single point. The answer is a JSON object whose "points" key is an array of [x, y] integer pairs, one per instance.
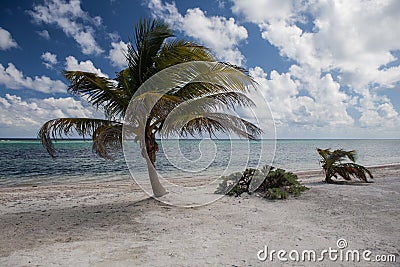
{"points": [[303, 175], [115, 223]]}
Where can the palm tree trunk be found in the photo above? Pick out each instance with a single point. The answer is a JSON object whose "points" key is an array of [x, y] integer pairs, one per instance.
{"points": [[150, 157], [158, 189], [329, 180], [328, 176]]}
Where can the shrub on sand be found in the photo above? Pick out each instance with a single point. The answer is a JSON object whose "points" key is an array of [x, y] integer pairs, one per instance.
{"points": [[274, 183]]}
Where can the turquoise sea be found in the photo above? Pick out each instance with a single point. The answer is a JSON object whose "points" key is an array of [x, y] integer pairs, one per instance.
{"points": [[27, 162]]}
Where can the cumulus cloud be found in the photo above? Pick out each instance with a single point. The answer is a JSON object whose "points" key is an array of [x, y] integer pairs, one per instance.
{"points": [[116, 54], [356, 38], [13, 78], [291, 105], [344, 51], [49, 59], [26, 116], [44, 34], [222, 35], [6, 40], [88, 66], [260, 11], [74, 22], [377, 111]]}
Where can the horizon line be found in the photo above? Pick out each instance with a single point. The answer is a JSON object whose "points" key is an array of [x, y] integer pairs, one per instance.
{"points": [[197, 139]]}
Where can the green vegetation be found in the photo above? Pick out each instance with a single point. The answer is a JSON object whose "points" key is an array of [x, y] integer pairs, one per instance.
{"points": [[149, 54], [274, 183], [333, 165]]}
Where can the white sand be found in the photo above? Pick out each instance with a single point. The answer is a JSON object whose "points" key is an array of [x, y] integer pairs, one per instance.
{"points": [[115, 224]]}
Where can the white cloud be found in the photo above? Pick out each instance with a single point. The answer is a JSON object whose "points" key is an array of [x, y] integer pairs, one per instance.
{"points": [[289, 106], [49, 59], [69, 17], [13, 78], [27, 116], [6, 40], [341, 58], [220, 34], [116, 54], [377, 111], [45, 34], [88, 66], [355, 38], [260, 11]]}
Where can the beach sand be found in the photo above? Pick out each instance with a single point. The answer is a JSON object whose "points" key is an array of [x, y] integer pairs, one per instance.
{"points": [[116, 224]]}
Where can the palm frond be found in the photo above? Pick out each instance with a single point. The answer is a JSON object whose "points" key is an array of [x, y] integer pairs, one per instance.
{"points": [[105, 138], [149, 103], [351, 155], [183, 124], [55, 129], [324, 153], [127, 81], [226, 96], [208, 103], [167, 105], [100, 92], [169, 81], [179, 51], [174, 79], [220, 77], [348, 170], [231, 100], [340, 155], [149, 37]]}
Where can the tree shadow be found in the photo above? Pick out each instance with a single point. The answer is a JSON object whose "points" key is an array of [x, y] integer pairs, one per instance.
{"points": [[27, 230]]}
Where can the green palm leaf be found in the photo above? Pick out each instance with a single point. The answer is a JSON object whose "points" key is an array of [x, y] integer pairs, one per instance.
{"points": [[100, 92], [183, 124], [106, 138], [333, 165], [55, 129], [179, 51], [149, 38]]}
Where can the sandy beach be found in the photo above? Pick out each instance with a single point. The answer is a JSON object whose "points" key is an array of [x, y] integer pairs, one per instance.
{"points": [[116, 224]]}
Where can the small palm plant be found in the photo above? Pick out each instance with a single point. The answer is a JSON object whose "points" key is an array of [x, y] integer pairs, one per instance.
{"points": [[333, 165]]}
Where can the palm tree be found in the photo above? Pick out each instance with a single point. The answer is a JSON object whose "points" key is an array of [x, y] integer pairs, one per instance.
{"points": [[150, 54], [333, 165]]}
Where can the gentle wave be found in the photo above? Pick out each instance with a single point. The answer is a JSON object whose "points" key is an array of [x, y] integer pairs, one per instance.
{"points": [[27, 162]]}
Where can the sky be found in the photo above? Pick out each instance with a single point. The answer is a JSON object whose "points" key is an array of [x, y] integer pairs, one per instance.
{"points": [[327, 68]]}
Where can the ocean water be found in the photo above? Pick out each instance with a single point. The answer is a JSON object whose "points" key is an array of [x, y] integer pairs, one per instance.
{"points": [[27, 162]]}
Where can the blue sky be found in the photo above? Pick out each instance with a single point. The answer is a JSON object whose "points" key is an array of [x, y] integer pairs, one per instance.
{"points": [[329, 69]]}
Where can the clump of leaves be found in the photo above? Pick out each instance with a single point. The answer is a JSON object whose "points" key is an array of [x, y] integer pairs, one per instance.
{"points": [[273, 183], [333, 165]]}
